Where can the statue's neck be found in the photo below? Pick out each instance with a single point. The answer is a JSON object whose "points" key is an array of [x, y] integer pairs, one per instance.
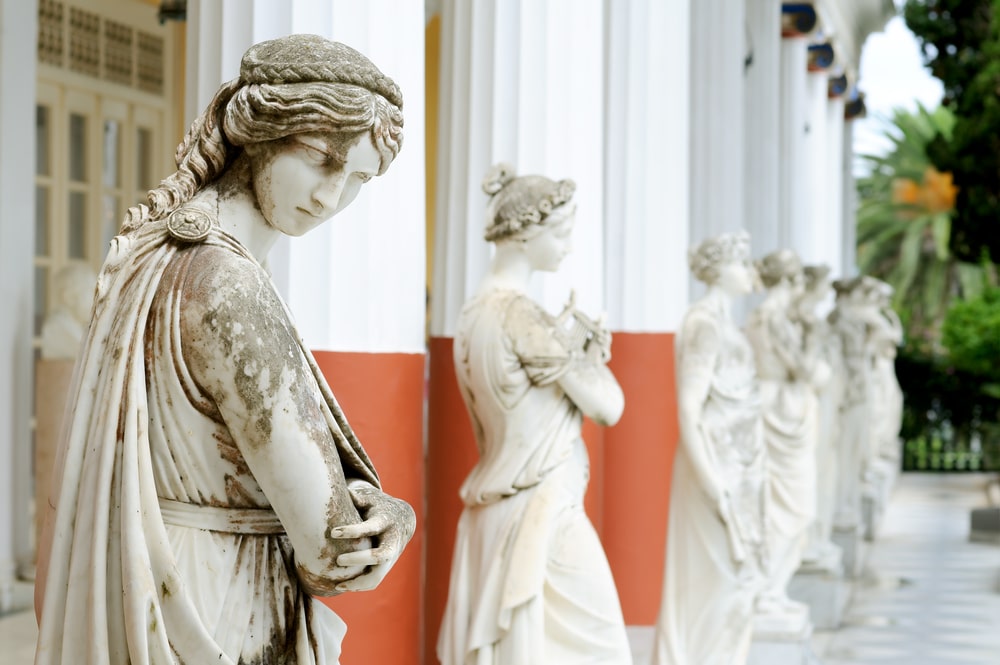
{"points": [[238, 212], [719, 301], [510, 269]]}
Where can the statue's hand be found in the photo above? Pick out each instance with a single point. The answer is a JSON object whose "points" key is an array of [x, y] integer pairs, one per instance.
{"points": [[389, 521], [600, 345]]}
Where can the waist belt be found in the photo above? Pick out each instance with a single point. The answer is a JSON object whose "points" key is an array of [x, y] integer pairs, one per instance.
{"points": [[258, 521]]}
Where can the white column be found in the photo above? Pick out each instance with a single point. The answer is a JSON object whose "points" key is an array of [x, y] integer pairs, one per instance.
{"points": [[762, 125], [809, 231], [521, 82], [718, 52], [646, 176], [794, 200], [18, 25], [355, 283], [834, 222], [849, 239]]}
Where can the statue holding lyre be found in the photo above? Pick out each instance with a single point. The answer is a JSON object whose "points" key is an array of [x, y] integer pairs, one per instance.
{"points": [[528, 378]]}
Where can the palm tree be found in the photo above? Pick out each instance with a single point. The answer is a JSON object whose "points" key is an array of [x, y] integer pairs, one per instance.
{"points": [[904, 224]]}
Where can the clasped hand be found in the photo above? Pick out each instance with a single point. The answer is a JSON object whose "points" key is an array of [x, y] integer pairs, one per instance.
{"points": [[389, 523]]}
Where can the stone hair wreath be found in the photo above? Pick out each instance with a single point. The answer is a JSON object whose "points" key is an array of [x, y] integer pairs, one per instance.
{"points": [[312, 59], [515, 220]]}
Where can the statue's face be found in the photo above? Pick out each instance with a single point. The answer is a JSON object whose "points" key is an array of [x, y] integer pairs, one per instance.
{"points": [[547, 248], [737, 277], [301, 183]]}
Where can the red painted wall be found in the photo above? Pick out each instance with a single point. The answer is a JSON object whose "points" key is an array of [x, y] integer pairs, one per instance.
{"points": [[382, 396], [638, 463]]}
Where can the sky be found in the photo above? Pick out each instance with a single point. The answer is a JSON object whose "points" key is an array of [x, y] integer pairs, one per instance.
{"points": [[891, 75]]}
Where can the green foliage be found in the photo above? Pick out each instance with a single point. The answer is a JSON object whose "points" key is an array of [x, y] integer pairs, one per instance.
{"points": [[971, 333], [950, 423], [905, 224], [960, 40]]}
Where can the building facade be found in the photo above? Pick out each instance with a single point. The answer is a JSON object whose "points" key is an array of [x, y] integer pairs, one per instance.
{"points": [[677, 119]]}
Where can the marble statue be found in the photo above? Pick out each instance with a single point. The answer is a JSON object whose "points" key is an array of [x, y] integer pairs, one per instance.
{"points": [[66, 322], [850, 321], [530, 583], [881, 461], [827, 383], [716, 550], [887, 337], [786, 369], [209, 485]]}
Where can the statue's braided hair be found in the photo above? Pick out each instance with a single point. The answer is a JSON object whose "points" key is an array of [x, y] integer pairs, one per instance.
{"points": [[291, 85]]}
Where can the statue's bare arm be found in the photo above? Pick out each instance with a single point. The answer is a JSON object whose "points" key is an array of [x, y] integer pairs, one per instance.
{"points": [[242, 350]]}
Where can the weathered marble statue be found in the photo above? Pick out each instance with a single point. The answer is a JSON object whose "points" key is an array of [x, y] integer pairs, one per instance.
{"points": [[209, 485], [850, 321], [827, 382], [66, 323], [716, 549], [887, 336], [530, 583], [786, 369]]}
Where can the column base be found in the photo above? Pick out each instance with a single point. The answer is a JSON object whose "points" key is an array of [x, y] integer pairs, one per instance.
{"points": [[820, 584], [851, 543], [782, 644]]}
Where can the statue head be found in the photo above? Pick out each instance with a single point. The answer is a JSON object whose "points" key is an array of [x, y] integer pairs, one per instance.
{"points": [[816, 285], [533, 211], [817, 278], [722, 259], [288, 88], [782, 266], [520, 206]]}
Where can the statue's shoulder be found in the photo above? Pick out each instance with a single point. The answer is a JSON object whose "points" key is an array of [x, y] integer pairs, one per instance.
{"points": [[522, 315], [700, 318]]}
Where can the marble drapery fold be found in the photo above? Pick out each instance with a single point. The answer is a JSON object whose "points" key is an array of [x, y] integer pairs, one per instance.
{"points": [[117, 590]]}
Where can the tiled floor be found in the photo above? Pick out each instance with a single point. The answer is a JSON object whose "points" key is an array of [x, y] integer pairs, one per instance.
{"points": [[929, 596]]}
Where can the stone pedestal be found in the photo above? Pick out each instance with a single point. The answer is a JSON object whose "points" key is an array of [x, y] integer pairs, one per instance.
{"points": [[869, 513], [984, 525], [782, 643], [877, 488], [52, 379], [821, 585], [852, 546]]}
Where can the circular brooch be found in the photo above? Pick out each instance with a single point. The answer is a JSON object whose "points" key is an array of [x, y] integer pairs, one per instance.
{"points": [[189, 224]]}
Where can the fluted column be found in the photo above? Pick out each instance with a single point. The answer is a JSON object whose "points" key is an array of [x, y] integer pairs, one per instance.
{"points": [[522, 81], [809, 232], [18, 23], [355, 284], [762, 119], [853, 109], [718, 56], [834, 201], [793, 201], [647, 212]]}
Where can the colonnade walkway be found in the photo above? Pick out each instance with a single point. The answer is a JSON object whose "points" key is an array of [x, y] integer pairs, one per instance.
{"points": [[928, 595]]}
